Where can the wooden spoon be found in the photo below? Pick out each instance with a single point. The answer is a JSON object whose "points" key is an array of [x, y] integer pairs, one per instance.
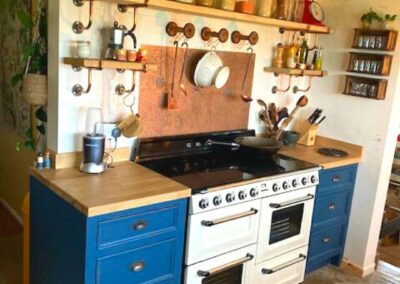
{"points": [[302, 102]]}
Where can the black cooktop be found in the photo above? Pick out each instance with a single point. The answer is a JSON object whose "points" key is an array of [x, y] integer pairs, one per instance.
{"points": [[187, 160]]}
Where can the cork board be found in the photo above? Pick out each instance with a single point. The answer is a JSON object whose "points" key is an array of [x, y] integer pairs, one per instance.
{"points": [[203, 109]]}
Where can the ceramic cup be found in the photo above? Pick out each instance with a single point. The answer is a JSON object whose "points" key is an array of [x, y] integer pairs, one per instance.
{"points": [[83, 49], [131, 55], [290, 138], [120, 54]]}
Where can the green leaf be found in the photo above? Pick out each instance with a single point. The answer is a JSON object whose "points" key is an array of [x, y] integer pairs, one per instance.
{"points": [[30, 145], [24, 18], [18, 146], [29, 134], [42, 129], [16, 79], [41, 114]]}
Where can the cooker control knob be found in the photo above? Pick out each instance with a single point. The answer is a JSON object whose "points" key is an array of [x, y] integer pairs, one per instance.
{"points": [[275, 187], [253, 192], [230, 197], [217, 200], [304, 180], [242, 195], [313, 179], [294, 183], [285, 185], [203, 203]]}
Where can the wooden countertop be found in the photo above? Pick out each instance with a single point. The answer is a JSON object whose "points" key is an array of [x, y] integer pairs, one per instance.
{"points": [[310, 154], [126, 186]]}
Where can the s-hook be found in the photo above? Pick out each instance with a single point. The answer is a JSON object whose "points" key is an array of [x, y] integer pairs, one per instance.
{"points": [[78, 27]]}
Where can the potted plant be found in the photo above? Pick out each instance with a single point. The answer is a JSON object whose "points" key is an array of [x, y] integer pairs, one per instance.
{"points": [[388, 21], [368, 19]]}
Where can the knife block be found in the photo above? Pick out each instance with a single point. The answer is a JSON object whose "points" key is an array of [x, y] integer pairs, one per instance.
{"points": [[308, 135]]}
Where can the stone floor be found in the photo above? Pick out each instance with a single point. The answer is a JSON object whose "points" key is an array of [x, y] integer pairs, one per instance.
{"points": [[385, 274]]}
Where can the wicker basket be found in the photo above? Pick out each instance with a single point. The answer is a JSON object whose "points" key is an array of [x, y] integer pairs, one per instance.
{"points": [[34, 89]]}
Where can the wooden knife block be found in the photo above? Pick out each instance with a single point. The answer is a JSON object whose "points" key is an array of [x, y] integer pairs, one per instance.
{"points": [[308, 133]]}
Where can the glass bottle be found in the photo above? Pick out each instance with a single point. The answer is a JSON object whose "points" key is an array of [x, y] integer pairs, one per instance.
{"points": [[283, 9], [264, 8], [318, 65], [303, 52]]}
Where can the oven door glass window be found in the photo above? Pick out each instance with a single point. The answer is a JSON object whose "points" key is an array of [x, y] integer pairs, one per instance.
{"points": [[286, 223], [229, 276]]}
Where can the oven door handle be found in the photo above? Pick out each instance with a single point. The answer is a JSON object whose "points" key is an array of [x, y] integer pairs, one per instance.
{"points": [[301, 258], [252, 211], [292, 202], [227, 266]]}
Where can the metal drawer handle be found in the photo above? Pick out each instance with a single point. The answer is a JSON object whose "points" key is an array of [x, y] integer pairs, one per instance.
{"points": [[301, 258], [221, 268], [140, 226], [336, 178], [252, 211], [326, 240], [291, 202], [137, 266], [332, 206]]}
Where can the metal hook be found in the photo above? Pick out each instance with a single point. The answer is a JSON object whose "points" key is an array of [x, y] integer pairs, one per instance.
{"points": [[297, 89], [121, 90], [275, 89], [78, 90], [315, 43], [130, 106], [78, 27]]}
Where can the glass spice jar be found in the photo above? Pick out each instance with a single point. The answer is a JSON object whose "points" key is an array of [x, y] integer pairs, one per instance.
{"points": [[245, 7], [206, 3], [283, 9], [228, 5], [265, 8]]}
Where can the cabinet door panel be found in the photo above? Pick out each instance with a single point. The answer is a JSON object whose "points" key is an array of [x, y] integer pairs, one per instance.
{"points": [[340, 177]]}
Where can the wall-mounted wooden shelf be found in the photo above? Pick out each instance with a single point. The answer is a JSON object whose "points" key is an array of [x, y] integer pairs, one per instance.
{"points": [[366, 87], [379, 40], [109, 64], [371, 64], [296, 72], [183, 8]]}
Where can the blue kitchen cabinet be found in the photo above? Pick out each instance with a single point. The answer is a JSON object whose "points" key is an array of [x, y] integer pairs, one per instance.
{"points": [[331, 217], [141, 245]]}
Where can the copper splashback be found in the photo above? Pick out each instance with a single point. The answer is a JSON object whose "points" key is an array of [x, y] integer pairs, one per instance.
{"points": [[204, 109]]}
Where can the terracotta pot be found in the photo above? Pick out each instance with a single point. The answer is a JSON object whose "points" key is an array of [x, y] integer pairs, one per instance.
{"points": [[34, 89]]}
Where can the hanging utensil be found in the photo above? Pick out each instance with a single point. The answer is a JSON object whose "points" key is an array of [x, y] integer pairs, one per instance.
{"points": [[272, 113], [302, 102], [172, 103], [264, 116], [245, 98], [282, 114], [181, 85]]}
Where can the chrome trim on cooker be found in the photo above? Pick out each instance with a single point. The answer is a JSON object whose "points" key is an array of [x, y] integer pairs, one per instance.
{"points": [[301, 258], [292, 202], [224, 267], [251, 212]]}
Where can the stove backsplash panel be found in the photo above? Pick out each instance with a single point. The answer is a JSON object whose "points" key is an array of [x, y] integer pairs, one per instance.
{"points": [[204, 109]]}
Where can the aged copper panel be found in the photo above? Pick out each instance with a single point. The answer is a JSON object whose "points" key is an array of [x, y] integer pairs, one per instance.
{"points": [[204, 109]]}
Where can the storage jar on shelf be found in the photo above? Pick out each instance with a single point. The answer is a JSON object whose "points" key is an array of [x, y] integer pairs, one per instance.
{"points": [[228, 5], [283, 7], [266, 8], [245, 7], [205, 3], [186, 1]]}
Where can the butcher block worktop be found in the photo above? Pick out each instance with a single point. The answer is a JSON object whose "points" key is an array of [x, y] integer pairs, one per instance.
{"points": [[125, 186], [310, 154]]}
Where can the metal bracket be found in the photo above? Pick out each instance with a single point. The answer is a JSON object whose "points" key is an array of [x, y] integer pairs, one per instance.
{"points": [[275, 89], [78, 90], [282, 30], [78, 27], [296, 89], [120, 89]]}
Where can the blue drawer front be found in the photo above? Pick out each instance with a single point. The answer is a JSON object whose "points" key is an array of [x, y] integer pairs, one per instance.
{"points": [[339, 177], [150, 264], [332, 208], [138, 226], [327, 241]]}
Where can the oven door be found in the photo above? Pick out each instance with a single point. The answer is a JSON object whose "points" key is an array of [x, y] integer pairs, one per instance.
{"points": [[285, 223], [235, 267], [222, 230]]}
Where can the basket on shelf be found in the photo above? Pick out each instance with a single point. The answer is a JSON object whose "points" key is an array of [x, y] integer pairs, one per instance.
{"points": [[34, 89]]}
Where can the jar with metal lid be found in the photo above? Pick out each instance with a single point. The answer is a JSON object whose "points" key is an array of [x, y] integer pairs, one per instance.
{"points": [[266, 8], [228, 5], [245, 6], [283, 9]]}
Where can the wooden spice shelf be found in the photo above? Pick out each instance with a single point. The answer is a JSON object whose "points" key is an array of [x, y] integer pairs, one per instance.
{"points": [[183, 8], [379, 86], [387, 40], [382, 63], [296, 72], [109, 64]]}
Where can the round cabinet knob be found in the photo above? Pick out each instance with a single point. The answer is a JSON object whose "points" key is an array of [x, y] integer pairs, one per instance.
{"points": [[203, 203], [285, 185], [242, 195], [313, 179], [294, 183], [275, 187], [253, 192], [230, 197], [304, 181], [217, 200]]}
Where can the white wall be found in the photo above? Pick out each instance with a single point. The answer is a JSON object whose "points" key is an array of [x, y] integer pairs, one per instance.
{"points": [[371, 123]]}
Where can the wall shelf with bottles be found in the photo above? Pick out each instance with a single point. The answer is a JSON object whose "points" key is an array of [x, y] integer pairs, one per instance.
{"points": [[366, 87], [109, 64], [184, 8], [378, 40], [371, 64], [296, 72]]}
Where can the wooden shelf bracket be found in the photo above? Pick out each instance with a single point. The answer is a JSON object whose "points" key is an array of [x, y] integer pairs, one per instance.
{"points": [[78, 27]]}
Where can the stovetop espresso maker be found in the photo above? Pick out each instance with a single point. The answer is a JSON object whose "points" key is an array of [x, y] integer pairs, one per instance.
{"points": [[118, 34]]}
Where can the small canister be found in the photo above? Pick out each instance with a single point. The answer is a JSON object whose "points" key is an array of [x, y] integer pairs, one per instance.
{"points": [[228, 5], [83, 49], [206, 3]]}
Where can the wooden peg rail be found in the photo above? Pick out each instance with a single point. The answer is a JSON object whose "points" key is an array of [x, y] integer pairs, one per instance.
{"points": [[173, 29], [207, 34], [237, 37]]}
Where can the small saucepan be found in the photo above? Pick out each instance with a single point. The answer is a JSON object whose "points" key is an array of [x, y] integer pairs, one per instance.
{"points": [[260, 145]]}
